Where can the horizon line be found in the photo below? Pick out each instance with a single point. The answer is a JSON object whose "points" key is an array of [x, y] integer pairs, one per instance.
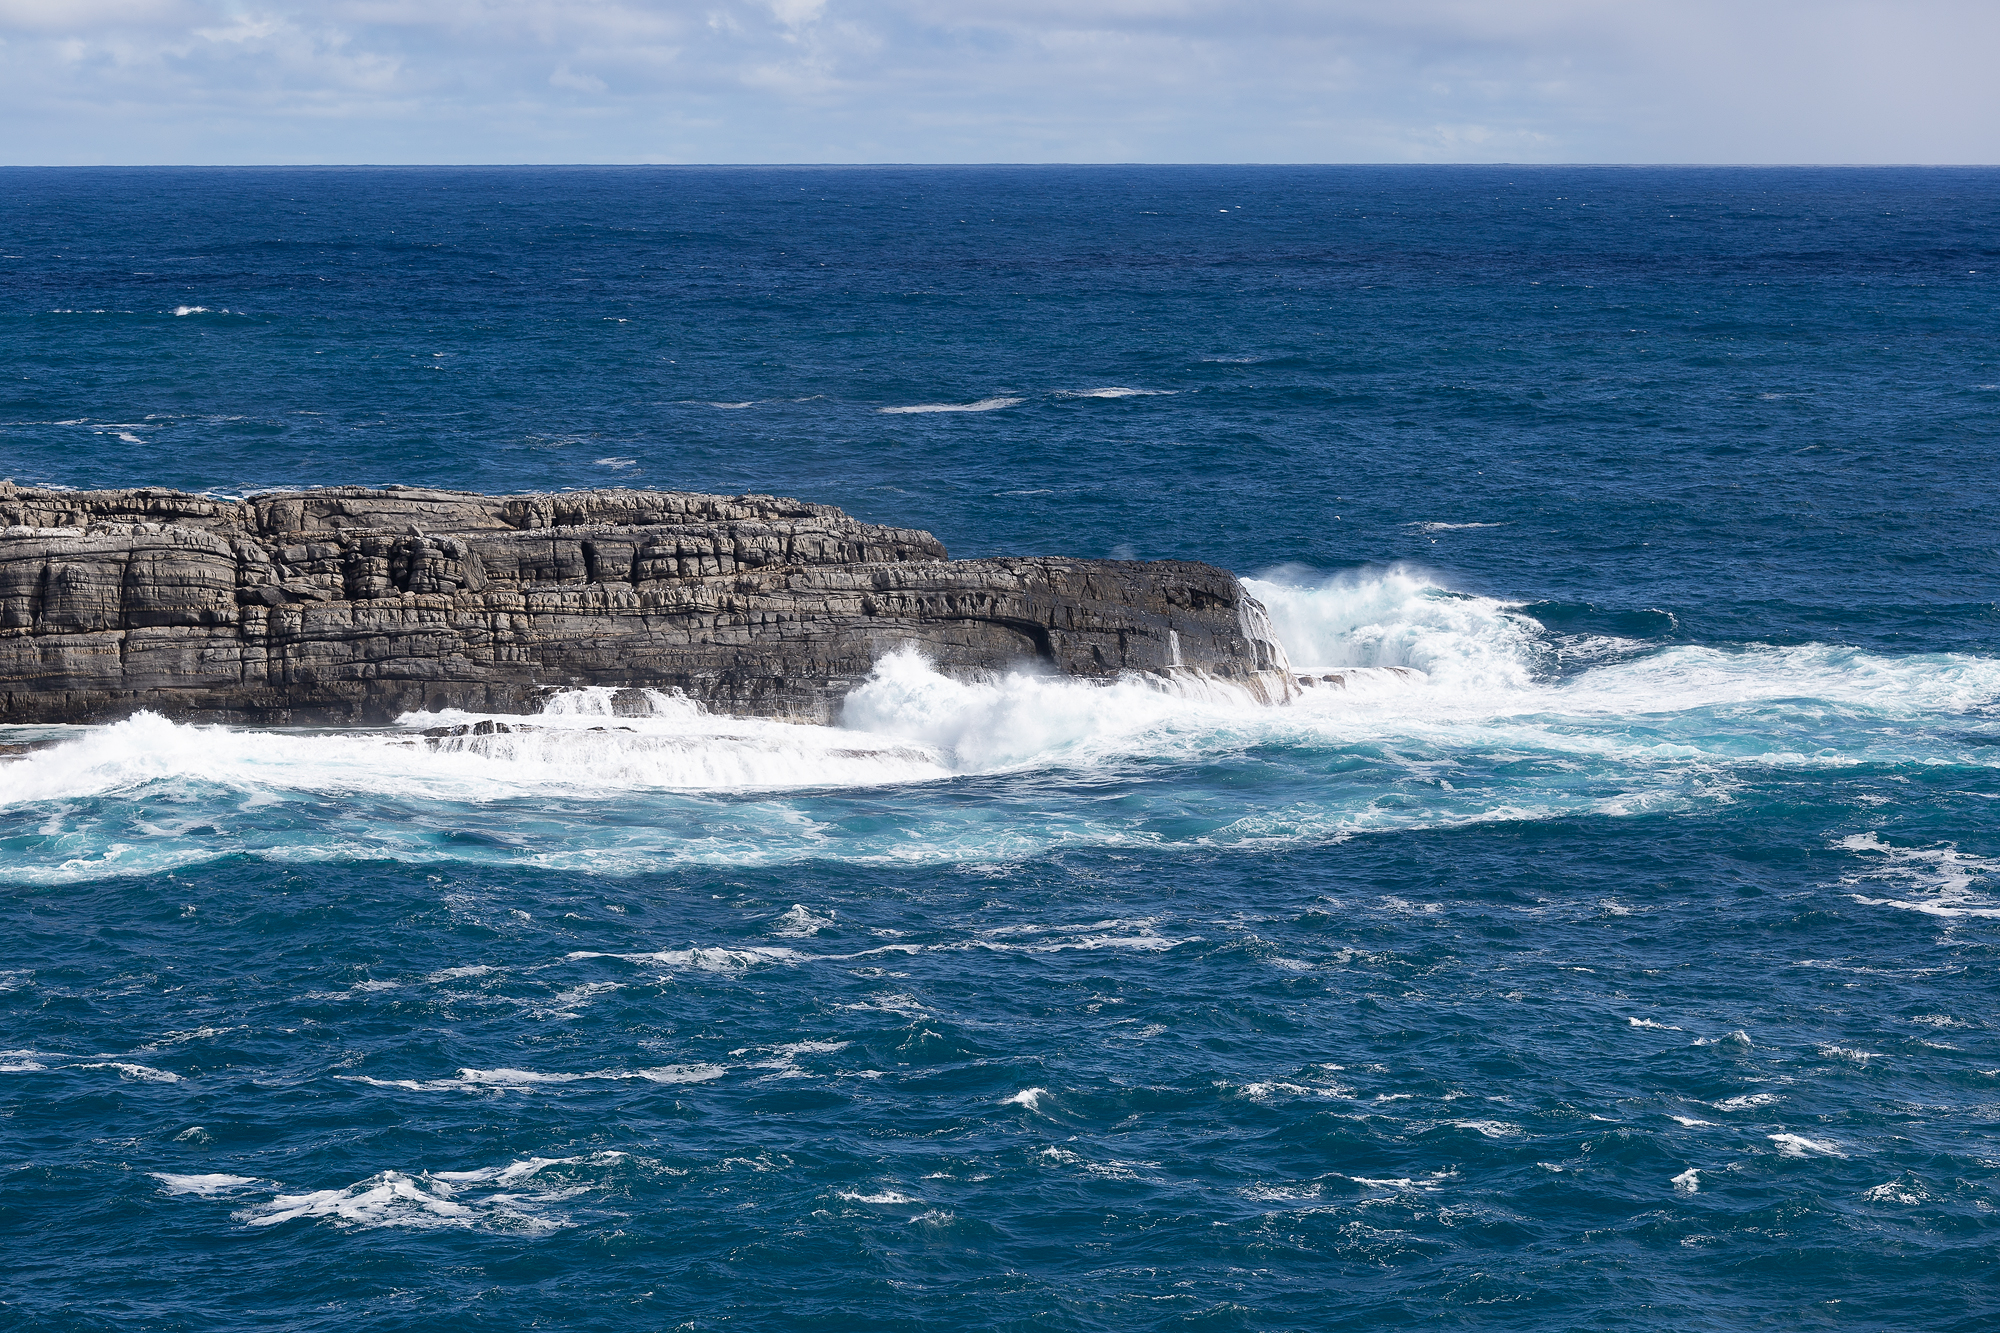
{"points": [[834, 166]]}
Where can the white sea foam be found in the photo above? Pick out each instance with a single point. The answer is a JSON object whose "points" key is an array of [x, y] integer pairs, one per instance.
{"points": [[208, 1187], [1688, 1181], [704, 959], [1737, 1038], [1937, 881], [1115, 391], [136, 1073], [581, 750], [882, 1197], [1798, 1145], [1433, 692], [1903, 1191], [982, 405], [784, 1059], [800, 922], [1399, 619], [1492, 1129], [525, 1080], [1028, 1097], [1259, 1092], [1136, 934], [1747, 1100], [513, 1198], [1024, 718], [1281, 1193], [1105, 1170], [1434, 1181]]}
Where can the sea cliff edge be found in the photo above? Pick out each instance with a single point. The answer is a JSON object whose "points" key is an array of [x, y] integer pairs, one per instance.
{"points": [[352, 606]]}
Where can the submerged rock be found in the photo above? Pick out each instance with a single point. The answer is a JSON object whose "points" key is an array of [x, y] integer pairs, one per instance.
{"points": [[351, 605]]}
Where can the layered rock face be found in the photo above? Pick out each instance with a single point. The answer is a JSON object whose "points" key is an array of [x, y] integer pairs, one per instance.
{"points": [[352, 606]]}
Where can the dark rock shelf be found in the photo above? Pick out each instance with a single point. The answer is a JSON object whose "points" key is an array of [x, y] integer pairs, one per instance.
{"points": [[352, 606]]}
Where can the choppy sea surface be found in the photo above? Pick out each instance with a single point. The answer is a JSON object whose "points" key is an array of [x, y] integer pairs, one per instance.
{"points": [[1616, 951]]}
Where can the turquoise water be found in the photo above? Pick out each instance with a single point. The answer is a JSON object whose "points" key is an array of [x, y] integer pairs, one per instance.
{"points": [[1614, 951]]}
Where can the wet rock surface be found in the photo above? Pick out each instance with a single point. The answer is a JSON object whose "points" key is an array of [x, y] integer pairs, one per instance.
{"points": [[351, 605]]}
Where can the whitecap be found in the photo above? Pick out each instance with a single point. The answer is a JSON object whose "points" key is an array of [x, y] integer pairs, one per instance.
{"points": [[1492, 1129], [1280, 1193], [1104, 1170], [1901, 1191], [712, 959], [1258, 1092], [461, 973], [1737, 1038], [524, 1080], [882, 1197], [207, 1186], [800, 921], [696, 1073], [1687, 1182], [1937, 881], [509, 1198], [1028, 1097], [137, 1073], [1798, 1145], [982, 405]]}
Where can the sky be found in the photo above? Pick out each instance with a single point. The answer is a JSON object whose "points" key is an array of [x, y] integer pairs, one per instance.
{"points": [[757, 81]]}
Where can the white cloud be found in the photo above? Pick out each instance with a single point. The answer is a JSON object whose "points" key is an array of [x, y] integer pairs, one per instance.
{"points": [[565, 77], [973, 80]]}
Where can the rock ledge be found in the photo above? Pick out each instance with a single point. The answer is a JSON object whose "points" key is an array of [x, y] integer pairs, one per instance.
{"points": [[352, 606]]}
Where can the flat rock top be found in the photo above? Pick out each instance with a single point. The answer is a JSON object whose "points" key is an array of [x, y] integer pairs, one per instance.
{"points": [[399, 508]]}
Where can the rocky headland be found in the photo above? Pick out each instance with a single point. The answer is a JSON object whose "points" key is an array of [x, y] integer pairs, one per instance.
{"points": [[352, 606]]}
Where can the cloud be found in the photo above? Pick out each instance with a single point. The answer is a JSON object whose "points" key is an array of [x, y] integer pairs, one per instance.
{"points": [[996, 80]]}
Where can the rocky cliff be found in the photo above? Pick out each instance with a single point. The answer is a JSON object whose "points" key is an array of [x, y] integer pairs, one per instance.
{"points": [[347, 605]]}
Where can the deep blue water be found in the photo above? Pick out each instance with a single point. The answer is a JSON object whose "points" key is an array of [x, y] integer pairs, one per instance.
{"points": [[1624, 961]]}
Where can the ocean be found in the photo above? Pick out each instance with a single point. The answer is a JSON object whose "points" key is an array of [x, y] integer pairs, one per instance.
{"points": [[1616, 952]]}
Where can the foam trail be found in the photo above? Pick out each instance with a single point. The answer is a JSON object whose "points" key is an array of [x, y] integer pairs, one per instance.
{"points": [[983, 405]]}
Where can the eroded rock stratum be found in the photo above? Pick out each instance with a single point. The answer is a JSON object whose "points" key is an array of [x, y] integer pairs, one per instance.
{"points": [[348, 605]]}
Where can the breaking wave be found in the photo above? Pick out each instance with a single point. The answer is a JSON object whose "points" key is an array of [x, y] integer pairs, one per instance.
{"points": [[1417, 707]]}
